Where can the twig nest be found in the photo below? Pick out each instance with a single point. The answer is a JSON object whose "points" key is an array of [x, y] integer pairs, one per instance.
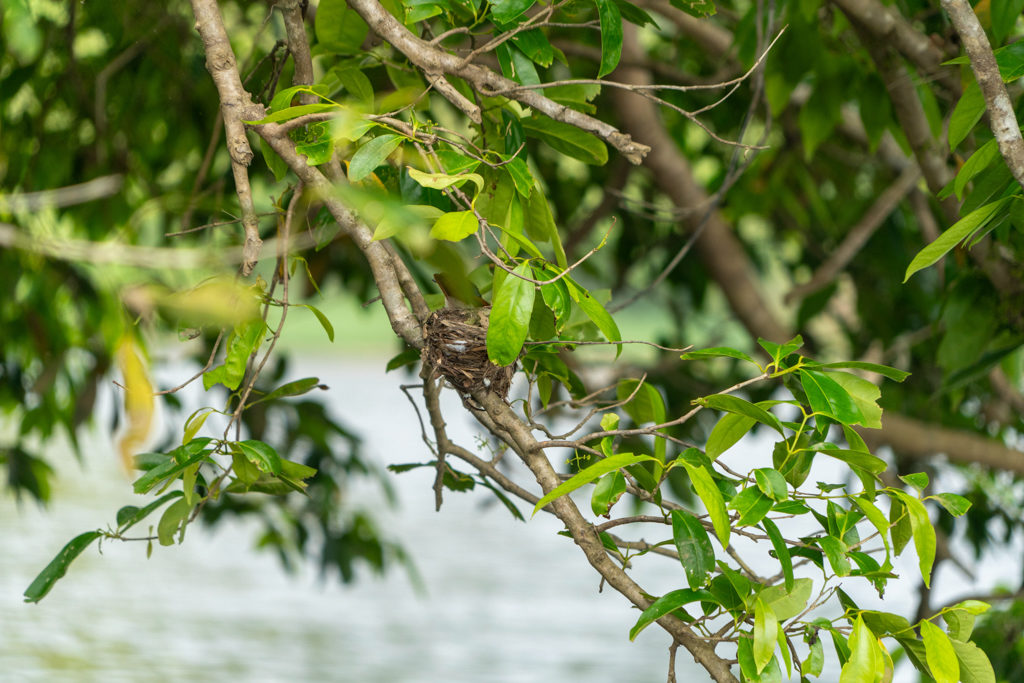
{"points": [[456, 347]]}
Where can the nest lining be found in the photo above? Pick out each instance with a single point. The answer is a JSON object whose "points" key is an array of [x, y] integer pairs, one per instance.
{"points": [[456, 347]]}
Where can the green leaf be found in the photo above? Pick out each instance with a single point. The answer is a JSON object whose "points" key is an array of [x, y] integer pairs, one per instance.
{"points": [[589, 474], [504, 11], [862, 666], [175, 463], [884, 370], [357, 84], [295, 388], [717, 352], [696, 8], [540, 226], [827, 397], [835, 551], [596, 312], [917, 480], [788, 603], [173, 519], [739, 406], [244, 341], [609, 489], [924, 534], [245, 471], [667, 603], [611, 36], [780, 352], [781, 551], [324, 322], [766, 628], [194, 423], [407, 357], [567, 139], [939, 654], [275, 163], [730, 428], [520, 174], [865, 461], [959, 624], [694, 547], [338, 28], [899, 522], [260, 454], [771, 483], [441, 181], [876, 518], [58, 566], [510, 316], [711, 496], [516, 65], [556, 297], [295, 112], [865, 397], [745, 653], [371, 155], [957, 233], [983, 157], [455, 226], [966, 114], [130, 515], [646, 406], [752, 505], [815, 662], [535, 45], [634, 14], [955, 505], [974, 664]]}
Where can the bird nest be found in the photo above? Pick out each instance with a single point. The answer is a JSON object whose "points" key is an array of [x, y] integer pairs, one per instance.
{"points": [[456, 347]]}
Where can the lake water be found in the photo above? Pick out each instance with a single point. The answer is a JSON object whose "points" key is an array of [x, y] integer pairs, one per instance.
{"points": [[505, 601]]}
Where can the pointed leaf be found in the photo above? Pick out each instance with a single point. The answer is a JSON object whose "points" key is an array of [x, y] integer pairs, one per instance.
{"points": [[665, 604], [957, 233], [924, 534], [58, 566], [589, 474], [781, 551], [766, 627], [827, 397], [939, 654], [260, 454], [371, 155], [730, 429], [734, 404], [510, 316], [455, 226], [694, 547], [611, 36]]}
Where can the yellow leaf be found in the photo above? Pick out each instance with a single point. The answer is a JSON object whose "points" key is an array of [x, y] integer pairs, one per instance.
{"points": [[139, 401]]}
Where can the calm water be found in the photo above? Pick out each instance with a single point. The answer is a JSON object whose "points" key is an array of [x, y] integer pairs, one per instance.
{"points": [[505, 602]]}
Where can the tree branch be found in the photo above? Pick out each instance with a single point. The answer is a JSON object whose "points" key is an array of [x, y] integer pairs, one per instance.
{"points": [[237, 106], [997, 101], [435, 61], [890, 28]]}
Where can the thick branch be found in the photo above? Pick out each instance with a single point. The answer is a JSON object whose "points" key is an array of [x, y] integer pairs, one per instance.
{"points": [[914, 438], [405, 324], [891, 28], [986, 71], [236, 107], [435, 61], [586, 537]]}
